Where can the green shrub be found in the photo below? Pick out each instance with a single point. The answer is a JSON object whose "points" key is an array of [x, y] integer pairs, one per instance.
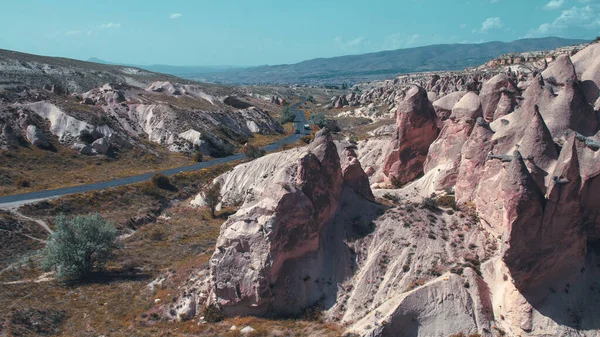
{"points": [[287, 116], [307, 139], [79, 246], [212, 314], [198, 157], [212, 196], [161, 181], [430, 204], [318, 119], [22, 182], [252, 151]]}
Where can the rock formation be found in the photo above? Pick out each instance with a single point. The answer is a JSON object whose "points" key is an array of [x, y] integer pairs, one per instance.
{"points": [[270, 249], [517, 257], [416, 129]]}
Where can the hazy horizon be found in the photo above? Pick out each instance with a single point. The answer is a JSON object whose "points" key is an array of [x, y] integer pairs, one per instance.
{"points": [[238, 33]]}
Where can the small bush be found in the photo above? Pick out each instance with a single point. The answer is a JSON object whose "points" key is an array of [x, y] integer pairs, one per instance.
{"points": [[79, 246], [392, 197], [307, 139], [314, 313], [212, 197], [396, 182], [161, 181], [212, 314], [198, 157], [287, 116], [157, 234], [430, 204], [252, 151], [22, 182], [318, 119], [447, 201]]}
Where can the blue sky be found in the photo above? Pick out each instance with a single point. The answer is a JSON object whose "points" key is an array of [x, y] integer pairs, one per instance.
{"points": [[255, 32]]}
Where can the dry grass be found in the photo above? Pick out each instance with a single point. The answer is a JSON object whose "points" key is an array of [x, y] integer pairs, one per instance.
{"points": [[47, 170], [117, 302]]}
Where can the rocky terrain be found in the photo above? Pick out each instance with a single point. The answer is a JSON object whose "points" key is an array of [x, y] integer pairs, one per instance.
{"points": [[477, 215], [57, 112], [91, 107]]}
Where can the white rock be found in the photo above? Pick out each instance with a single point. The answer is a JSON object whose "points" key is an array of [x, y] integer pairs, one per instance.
{"points": [[36, 137], [247, 330], [101, 145]]}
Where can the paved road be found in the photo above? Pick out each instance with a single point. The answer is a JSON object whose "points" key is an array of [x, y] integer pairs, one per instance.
{"points": [[21, 199]]}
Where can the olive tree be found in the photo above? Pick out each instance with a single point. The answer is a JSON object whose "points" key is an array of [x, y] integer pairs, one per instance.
{"points": [[79, 246]]}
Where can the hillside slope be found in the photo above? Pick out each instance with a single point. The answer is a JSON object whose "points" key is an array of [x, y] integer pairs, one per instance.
{"points": [[385, 64]]}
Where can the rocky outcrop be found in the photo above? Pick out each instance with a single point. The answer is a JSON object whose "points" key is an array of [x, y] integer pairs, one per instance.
{"points": [[443, 106], [497, 97], [269, 250], [36, 136], [354, 176], [443, 159], [416, 129]]}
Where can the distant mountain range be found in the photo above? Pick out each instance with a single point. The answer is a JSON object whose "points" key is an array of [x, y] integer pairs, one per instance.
{"points": [[180, 71], [365, 67]]}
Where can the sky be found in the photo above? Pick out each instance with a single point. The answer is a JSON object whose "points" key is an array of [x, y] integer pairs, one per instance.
{"points": [[258, 32]]}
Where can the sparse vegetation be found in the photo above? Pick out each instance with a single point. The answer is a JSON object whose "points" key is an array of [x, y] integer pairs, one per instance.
{"points": [[307, 139], [252, 151], [79, 246], [198, 157], [446, 201], [287, 115], [212, 314], [318, 119], [23, 183], [429, 204], [212, 197], [161, 181]]}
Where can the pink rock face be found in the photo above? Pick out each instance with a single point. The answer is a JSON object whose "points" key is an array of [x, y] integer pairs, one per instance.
{"points": [[267, 249], [445, 153], [415, 131], [494, 97], [354, 176], [473, 158], [443, 106]]}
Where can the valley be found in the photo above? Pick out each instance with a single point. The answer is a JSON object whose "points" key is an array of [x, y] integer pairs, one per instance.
{"points": [[455, 200]]}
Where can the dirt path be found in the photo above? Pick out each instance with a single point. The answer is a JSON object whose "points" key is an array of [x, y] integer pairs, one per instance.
{"points": [[38, 221]]}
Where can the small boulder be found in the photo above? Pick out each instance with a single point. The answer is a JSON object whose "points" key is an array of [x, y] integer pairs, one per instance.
{"points": [[101, 145], [247, 330], [35, 136]]}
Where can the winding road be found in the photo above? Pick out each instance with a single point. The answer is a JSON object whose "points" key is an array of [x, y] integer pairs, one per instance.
{"points": [[13, 201]]}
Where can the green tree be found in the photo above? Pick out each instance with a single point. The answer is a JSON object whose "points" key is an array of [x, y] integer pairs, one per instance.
{"points": [[287, 115], [79, 246], [318, 119], [212, 196]]}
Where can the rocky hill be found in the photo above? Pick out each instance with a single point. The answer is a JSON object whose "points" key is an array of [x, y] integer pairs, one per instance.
{"points": [[81, 102], [56, 112], [382, 65], [477, 216]]}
